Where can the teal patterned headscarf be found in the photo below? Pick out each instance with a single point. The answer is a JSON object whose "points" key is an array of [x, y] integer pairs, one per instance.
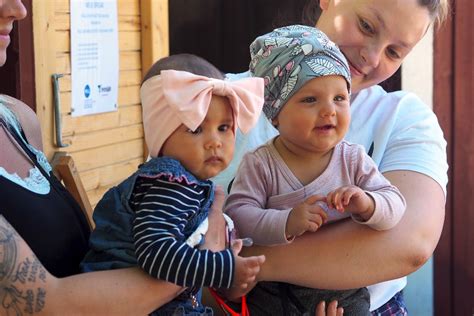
{"points": [[290, 56]]}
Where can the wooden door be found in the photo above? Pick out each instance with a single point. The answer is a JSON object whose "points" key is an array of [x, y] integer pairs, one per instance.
{"points": [[453, 87]]}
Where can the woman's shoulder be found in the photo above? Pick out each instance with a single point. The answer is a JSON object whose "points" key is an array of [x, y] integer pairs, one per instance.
{"points": [[374, 106], [377, 98], [27, 118]]}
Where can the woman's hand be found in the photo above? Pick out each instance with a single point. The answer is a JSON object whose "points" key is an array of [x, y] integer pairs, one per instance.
{"points": [[215, 238], [332, 309]]}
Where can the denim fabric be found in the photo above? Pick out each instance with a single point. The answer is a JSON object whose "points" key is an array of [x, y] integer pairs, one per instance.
{"points": [[183, 306], [111, 241], [395, 307], [273, 298]]}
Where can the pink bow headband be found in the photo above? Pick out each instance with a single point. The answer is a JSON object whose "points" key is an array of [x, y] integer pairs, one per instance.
{"points": [[179, 97]]}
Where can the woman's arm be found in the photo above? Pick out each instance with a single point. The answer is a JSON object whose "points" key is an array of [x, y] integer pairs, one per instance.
{"points": [[27, 288], [348, 255]]}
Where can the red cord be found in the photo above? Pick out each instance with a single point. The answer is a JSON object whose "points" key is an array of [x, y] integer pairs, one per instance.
{"points": [[227, 308]]}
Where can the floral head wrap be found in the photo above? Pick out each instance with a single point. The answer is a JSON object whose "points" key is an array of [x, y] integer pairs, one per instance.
{"points": [[290, 56]]}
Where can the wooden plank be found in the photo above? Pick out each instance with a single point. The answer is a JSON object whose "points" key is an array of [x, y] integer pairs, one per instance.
{"points": [[108, 155], [108, 175], [125, 116], [65, 170], [124, 7], [155, 31], [128, 41], [97, 194], [125, 22], [129, 60], [126, 78], [83, 141], [43, 35], [126, 96]]}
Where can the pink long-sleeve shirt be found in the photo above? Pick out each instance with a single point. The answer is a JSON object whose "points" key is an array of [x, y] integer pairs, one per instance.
{"points": [[265, 190]]}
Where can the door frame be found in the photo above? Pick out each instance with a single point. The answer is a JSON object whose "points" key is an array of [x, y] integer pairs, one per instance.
{"points": [[453, 86]]}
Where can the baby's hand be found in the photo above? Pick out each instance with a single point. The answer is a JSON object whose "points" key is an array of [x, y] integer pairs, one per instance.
{"points": [[246, 268], [352, 199], [307, 216]]}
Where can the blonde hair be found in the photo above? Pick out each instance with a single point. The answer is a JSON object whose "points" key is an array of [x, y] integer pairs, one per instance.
{"points": [[439, 9]]}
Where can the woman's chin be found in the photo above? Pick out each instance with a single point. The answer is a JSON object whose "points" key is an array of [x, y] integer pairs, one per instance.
{"points": [[3, 58]]}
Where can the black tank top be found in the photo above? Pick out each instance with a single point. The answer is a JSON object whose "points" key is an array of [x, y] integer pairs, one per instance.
{"points": [[52, 224]]}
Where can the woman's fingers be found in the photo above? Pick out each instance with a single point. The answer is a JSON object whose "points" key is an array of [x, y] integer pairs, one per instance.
{"points": [[332, 309]]}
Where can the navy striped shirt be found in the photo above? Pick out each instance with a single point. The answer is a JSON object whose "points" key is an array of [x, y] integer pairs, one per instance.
{"points": [[164, 208]]}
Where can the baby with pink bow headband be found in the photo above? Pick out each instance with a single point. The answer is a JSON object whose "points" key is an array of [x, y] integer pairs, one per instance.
{"points": [[158, 216]]}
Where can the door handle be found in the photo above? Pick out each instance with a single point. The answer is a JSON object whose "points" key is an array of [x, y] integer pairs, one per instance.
{"points": [[57, 111]]}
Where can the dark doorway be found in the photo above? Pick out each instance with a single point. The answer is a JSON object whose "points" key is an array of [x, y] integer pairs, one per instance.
{"points": [[17, 76], [221, 31]]}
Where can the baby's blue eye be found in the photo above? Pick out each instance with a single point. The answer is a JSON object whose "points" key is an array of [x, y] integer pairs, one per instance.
{"points": [[339, 98]]}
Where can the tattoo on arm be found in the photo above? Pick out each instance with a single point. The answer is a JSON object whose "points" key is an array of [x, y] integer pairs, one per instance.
{"points": [[22, 278]]}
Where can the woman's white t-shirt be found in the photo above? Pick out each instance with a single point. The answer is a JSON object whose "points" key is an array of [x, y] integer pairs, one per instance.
{"points": [[398, 131]]}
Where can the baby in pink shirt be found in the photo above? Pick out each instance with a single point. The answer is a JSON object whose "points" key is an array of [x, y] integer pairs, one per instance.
{"points": [[308, 174]]}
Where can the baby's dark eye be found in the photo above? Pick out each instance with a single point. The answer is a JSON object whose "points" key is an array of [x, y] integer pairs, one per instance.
{"points": [[224, 127], [309, 100], [339, 98], [197, 131]]}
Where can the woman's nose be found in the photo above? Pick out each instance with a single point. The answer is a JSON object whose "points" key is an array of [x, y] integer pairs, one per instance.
{"points": [[371, 55], [13, 9]]}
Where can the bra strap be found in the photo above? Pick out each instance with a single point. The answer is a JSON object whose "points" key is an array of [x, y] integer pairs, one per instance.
{"points": [[21, 142]]}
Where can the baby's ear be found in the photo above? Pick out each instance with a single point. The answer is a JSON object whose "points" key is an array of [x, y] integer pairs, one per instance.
{"points": [[323, 4]]}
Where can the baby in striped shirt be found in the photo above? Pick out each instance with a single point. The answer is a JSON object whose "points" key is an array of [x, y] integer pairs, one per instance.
{"points": [[190, 116]]}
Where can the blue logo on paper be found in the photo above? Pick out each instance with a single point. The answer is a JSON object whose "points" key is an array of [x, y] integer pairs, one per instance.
{"points": [[87, 91]]}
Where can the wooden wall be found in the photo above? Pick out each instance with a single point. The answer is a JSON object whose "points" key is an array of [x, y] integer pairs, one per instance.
{"points": [[106, 147]]}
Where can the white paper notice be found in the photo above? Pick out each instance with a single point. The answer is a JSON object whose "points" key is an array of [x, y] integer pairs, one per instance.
{"points": [[94, 56]]}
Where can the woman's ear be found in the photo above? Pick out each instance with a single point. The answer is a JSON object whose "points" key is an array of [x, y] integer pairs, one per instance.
{"points": [[324, 4]]}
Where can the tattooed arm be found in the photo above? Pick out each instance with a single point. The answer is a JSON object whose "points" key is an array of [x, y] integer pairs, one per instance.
{"points": [[26, 288]]}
